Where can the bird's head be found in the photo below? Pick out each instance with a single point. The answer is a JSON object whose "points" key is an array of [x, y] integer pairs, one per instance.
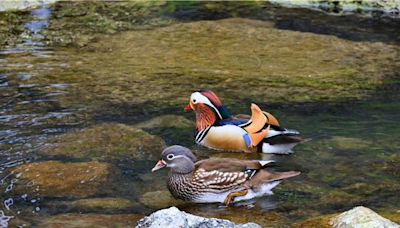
{"points": [[180, 159], [206, 99]]}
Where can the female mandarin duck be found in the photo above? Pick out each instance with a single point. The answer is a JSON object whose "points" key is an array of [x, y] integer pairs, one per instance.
{"points": [[213, 180], [217, 129]]}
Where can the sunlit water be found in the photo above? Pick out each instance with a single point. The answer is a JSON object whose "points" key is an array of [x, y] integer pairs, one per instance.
{"points": [[45, 92]]}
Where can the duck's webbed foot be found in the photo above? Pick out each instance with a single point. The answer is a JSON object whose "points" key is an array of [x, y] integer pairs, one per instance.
{"points": [[231, 196]]}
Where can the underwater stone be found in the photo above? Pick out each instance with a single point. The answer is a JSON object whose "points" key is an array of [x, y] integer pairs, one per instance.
{"points": [[90, 220], [166, 121], [348, 143], [57, 179], [173, 217], [107, 203], [106, 141], [159, 199]]}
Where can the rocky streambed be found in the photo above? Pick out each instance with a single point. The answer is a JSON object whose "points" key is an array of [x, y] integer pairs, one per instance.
{"points": [[92, 92]]}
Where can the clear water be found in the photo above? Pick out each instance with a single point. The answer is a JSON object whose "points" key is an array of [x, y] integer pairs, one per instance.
{"points": [[337, 83]]}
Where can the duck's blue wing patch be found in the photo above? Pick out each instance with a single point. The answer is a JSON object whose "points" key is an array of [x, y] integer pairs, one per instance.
{"points": [[231, 122], [247, 140]]}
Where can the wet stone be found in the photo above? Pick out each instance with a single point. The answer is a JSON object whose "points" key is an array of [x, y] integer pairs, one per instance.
{"points": [[90, 205], [360, 217], [90, 220], [159, 199], [113, 204], [58, 179], [106, 141], [173, 217], [348, 143], [320, 221], [166, 121]]}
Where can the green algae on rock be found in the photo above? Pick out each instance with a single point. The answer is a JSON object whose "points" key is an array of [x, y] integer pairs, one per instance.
{"points": [[279, 66], [159, 199], [58, 179], [103, 204], [11, 26], [348, 143], [391, 165], [90, 220], [320, 221], [78, 23], [106, 141], [166, 121]]}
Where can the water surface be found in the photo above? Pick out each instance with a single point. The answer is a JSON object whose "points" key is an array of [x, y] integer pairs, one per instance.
{"points": [[71, 108]]}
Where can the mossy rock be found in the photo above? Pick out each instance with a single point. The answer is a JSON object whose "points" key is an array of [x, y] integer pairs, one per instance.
{"points": [[250, 53], [323, 221], [90, 220], [346, 143], [393, 216], [106, 141], [166, 121], [58, 179], [391, 165], [340, 199], [159, 199], [108, 203]]}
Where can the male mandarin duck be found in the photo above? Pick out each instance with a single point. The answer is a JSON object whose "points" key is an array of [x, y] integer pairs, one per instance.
{"points": [[223, 180], [217, 129]]}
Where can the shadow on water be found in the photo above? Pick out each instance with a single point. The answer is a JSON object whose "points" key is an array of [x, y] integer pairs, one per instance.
{"points": [[351, 26]]}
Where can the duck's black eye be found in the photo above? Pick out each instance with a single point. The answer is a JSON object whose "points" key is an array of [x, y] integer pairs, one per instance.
{"points": [[170, 156], [194, 100]]}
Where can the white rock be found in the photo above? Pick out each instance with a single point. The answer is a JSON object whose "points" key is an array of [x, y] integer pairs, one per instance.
{"points": [[361, 217], [22, 4], [173, 217]]}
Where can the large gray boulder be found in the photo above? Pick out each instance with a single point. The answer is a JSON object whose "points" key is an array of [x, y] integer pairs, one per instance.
{"points": [[173, 217], [361, 217]]}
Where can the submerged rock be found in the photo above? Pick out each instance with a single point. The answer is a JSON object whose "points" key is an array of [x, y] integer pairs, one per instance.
{"points": [[91, 205], [102, 204], [173, 217], [57, 179], [166, 121], [159, 199], [320, 222], [107, 141], [360, 217], [349, 143], [90, 220]]}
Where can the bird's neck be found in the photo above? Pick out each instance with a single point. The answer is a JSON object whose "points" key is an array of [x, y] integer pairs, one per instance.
{"points": [[205, 117], [179, 185]]}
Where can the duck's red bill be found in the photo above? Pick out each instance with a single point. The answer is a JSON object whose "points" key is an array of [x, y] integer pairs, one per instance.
{"points": [[160, 164], [188, 108]]}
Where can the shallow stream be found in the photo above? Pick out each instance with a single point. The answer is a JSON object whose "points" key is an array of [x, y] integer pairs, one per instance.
{"points": [[83, 122]]}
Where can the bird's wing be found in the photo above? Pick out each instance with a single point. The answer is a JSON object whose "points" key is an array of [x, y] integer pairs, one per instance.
{"points": [[222, 174]]}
